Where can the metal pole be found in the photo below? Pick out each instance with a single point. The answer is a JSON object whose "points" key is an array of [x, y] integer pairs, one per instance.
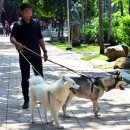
{"points": [[68, 21]]}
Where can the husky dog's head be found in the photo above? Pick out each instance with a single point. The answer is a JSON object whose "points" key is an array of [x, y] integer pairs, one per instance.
{"points": [[35, 80], [119, 83], [71, 84]]}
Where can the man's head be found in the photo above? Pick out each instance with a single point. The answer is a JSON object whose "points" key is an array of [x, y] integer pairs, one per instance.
{"points": [[26, 11]]}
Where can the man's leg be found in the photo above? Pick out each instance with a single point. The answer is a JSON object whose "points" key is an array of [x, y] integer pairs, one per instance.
{"points": [[37, 64], [25, 74]]}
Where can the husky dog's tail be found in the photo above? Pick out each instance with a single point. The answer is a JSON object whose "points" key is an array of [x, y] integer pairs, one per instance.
{"points": [[35, 80]]}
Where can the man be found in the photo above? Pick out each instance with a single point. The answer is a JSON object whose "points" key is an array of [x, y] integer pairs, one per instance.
{"points": [[27, 32]]}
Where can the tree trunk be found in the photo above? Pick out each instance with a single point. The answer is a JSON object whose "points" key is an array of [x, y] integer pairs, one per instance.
{"points": [[82, 13], [121, 6], [1, 6], [61, 32], [83, 18], [101, 34], [109, 21]]}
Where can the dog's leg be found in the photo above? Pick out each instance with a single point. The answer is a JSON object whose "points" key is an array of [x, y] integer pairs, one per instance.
{"points": [[45, 113], [32, 106], [95, 107], [98, 108], [43, 103], [55, 111], [66, 104]]}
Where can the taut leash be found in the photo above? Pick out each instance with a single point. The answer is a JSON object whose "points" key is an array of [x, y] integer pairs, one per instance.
{"points": [[54, 62]]}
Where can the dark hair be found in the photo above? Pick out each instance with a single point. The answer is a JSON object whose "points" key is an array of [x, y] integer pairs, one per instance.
{"points": [[25, 5]]}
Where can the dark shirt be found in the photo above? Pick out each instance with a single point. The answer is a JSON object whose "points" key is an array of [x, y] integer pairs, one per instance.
{"points": [[27, 34]]}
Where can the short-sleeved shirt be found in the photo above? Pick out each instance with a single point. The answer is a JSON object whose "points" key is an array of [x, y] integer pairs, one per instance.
{"points": [[27, 34]]}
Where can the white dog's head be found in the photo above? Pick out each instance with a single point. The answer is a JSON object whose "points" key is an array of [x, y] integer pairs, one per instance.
{"points": [[70, 83], [35, 80]]}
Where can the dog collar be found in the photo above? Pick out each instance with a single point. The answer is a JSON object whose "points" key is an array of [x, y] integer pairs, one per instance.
{"points": [[100, 84]]}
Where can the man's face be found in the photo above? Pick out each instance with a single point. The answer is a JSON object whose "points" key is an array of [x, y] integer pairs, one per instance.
{"points": [[27, 13]]}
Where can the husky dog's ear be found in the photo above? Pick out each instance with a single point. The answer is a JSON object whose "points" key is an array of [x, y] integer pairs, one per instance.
{"points": [[117, 73]]}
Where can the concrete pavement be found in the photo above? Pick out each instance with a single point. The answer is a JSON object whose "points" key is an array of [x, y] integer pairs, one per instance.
{"points": [[115, 105]]}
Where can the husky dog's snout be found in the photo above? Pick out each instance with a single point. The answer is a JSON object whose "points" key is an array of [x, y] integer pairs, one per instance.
{"points": [[121, 87]]}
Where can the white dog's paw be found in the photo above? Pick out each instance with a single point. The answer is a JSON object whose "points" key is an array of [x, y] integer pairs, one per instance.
{"points": [[47, 122], [52, 123], [67, 116], [60, 127], [32, 122], [97, 115]]}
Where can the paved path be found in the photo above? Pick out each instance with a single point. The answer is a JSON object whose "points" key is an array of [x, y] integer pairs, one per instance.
{"points": [[115, 105]]}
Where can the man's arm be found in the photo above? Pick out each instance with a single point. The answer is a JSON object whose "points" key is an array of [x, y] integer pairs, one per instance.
{"points": [[17, 44], [13, 37], [42, 45]]}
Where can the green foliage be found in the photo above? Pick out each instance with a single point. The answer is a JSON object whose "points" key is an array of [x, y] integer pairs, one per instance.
{"points": [[82, 48], [120, 31], [97, 56], [125, 27], [90, 31], [116, 32], [91, 8]]}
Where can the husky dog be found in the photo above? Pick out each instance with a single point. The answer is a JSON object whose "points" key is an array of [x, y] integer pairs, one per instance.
{"points": [[52, 97], [93, 89]]}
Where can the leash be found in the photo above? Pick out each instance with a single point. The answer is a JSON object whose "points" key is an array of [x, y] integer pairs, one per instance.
{"points": [[41, 117], [29, 62], [74, 71]]}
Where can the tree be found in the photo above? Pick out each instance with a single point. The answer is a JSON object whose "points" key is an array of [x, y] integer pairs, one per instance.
{"points": [[1, 6], [101, 34], [128, 1], [109, 21], [11, 10], [122, 4]]}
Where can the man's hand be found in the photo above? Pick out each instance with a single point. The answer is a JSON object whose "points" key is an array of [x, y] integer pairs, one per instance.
{"points": [[19, 46], [45, 56]]}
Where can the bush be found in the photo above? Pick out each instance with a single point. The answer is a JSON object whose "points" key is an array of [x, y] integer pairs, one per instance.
{"points": [[89, 31], [125, 27], [116, 32]]}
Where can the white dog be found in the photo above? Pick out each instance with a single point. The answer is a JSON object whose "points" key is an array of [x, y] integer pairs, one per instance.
{"points": [[52, 97]]}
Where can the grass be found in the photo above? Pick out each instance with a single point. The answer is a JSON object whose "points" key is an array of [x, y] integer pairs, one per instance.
{"points": [[89, 52], [97, 56]]}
